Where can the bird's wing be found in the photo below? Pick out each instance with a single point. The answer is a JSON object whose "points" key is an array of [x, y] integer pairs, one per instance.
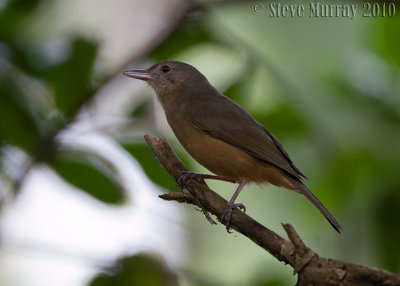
{"points": [[230, 123]]}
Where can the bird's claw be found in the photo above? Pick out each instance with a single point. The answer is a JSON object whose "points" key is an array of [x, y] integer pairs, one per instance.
{"points": [[226, 217], [186, 175]]}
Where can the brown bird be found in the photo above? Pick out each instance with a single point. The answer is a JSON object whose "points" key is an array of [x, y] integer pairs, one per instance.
{"points": [[221, 135]]}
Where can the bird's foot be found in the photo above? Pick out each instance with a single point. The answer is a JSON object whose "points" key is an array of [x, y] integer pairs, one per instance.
{"points": [[226, 217], [186, 175]]}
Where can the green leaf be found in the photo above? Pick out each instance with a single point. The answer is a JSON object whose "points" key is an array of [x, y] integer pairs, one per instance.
{"points": [[270, 281], [239, 89], [71, 79], [137, 270], [350, 170], [143, 109], [283, 121], [89, 173], [191, 33], [387, 219], [151, 166], [16, 120], [390, 39], [12, 17]]}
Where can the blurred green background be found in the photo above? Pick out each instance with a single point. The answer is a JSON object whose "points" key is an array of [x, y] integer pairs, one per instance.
{"points": [[78, 209]]}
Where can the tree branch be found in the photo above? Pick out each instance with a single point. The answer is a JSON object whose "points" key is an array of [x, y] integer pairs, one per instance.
{"points": [[310, 268]]}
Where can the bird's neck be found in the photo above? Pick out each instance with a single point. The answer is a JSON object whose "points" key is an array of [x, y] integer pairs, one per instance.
{"points": [[178, 101]]}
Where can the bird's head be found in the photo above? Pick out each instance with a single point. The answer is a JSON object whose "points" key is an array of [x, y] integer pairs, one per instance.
{"points": [[171, 79]]}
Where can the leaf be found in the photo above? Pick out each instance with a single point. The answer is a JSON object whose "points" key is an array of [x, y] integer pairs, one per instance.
{"points": [[191, 33], [71, 80], [143, 109], [350, 170], [238, 90], [16, 121], [151, 166], [387, 219], [12, 17], [270, 282], [89, 173], [137, 270], [390, 39], [283, 121]]}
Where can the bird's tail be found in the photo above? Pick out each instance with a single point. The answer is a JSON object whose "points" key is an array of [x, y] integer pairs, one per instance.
{"points": [[315, 201]]}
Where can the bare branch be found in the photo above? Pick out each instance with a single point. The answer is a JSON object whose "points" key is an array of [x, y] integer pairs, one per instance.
{"points": [[310, 268]]}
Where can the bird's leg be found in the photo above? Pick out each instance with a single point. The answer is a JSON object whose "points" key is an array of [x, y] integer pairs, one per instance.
{"points": [[186, 175], [226, 217], [215, 177]]}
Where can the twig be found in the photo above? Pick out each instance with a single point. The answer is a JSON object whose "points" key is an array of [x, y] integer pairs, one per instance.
{"points": [[310, 268]]}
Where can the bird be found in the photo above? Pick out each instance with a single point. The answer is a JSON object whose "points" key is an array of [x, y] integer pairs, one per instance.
{"points": [[222, 136]]}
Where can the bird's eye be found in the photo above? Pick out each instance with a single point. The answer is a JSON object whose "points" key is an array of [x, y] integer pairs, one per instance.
{"points": [[165, 69]]}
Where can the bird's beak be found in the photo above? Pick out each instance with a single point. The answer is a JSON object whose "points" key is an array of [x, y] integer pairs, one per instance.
{"points": [[139, 74]]}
